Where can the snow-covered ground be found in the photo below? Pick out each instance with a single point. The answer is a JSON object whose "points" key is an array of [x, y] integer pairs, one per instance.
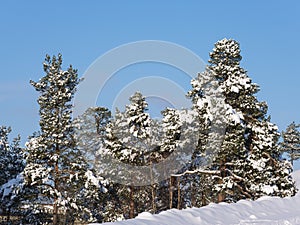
{"points": [[264, 211]]}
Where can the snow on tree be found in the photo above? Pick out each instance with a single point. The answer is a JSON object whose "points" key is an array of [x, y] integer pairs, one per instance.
{"points": [[127, 139], [127, 133], [214, 114], [168, 131], [10, 155], [267, 174], [11, 165], [209, 112], [90, 133], [291, 142], [134, 138], [255, 137], [224, 99], [56, 171]]}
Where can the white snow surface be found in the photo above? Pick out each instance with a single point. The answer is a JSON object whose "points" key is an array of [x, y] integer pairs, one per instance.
{"points": [[264, 211]]}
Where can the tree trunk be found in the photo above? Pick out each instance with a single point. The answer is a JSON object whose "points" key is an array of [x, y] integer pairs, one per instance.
{"points": [[153, 187], [8, 216], [178, 193], [203, 198], [221, 195], [56, 174], [171, 192], [55, 212], [131, 203], [153, 198], [203, 193], [193, 194]]}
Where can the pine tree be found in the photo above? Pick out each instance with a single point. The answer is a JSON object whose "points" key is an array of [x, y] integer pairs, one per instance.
{"points": [[291, 142], [56, 171], [213, 115], [90, 130], [169, 131], [266, 173], [224, 96], [251, 139], [11, 165], [5, 156], [134, 138], [225, 66], [90, 135], [127, 139]]}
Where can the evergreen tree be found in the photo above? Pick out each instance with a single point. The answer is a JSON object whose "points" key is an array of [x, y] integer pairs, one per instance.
{"points": [[56, 172], [291, 142], [90, 136], [169, 129], [134, 138], [236, 88], [128, 131], [213, 115], [249, 136], [266, 173], [10, 156], [127, 139], [252, 138], [90, 130], [11, 165]]}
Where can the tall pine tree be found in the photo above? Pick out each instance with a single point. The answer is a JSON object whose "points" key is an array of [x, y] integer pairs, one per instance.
{"points": [[11, 165], [127, 139], [291, 142], [55, 169], [254, 138], [247, 164]]}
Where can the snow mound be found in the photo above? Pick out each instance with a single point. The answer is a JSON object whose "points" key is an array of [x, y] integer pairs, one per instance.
{"points": [[264, 211]]}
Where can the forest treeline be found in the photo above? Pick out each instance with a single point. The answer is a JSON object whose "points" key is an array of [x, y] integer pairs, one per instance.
{"points": [[224, 148]]}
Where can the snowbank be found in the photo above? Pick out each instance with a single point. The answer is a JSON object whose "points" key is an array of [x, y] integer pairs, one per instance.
{"points": [[264, 211]]}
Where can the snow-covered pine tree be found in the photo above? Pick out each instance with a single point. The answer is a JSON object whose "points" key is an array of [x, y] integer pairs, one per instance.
{"points": [[128, 131], [133, 138], [90, 136], [171, 125], [213, 114], [266, 174], [200, 106], [200, 185], [11, 165], [169, 129], [255, 137], [56, 172], [291, 142], [127, 139], [5, 156], [237, 90]]}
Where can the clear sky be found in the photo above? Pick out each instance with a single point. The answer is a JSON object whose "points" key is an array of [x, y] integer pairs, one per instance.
{"points": [[268, 31]]}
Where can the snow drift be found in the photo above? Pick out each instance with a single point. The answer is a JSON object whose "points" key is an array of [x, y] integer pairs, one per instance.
{"points": [[264, 211]]}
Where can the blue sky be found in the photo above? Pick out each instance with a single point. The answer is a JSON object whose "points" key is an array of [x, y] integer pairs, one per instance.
{"points": [[268, 31]]}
